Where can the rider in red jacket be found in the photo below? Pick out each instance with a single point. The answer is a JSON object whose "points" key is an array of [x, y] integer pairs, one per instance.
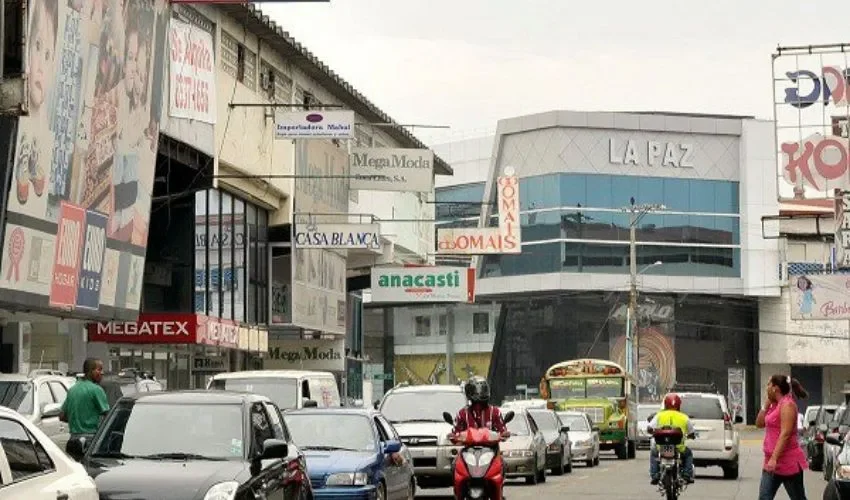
{"points": [[479, 413]]}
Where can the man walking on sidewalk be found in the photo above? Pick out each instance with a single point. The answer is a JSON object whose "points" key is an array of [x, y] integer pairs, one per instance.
{"points": [[86, 401]]}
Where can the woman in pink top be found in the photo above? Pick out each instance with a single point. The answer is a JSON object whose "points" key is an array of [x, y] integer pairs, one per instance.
{"points": [[784, 461]]}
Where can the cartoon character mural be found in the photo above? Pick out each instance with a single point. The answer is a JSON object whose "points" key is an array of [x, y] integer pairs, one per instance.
{"points": [[807, 297]]}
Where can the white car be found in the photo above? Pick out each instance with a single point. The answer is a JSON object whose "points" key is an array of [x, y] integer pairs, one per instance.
{"points": [[34, 467], [717, 441]]}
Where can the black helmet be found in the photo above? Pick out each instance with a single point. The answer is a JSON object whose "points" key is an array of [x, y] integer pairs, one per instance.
{"points": [[477, 390]]}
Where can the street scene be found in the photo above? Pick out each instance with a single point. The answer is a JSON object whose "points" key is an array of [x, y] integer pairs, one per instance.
{"points": [[383, 250]]}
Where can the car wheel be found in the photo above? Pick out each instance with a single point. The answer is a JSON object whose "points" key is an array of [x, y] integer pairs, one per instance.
{"points": [[535, 475], [731, 471], [596, 460], [542, 473], [569, 467], [382, 491], [631, 450], [831, 492]]}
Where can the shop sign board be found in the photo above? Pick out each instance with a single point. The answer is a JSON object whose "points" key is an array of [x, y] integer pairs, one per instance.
{"points": [[149, 329], [191, 72], [217, 332], [314, 124], [390, 169], [305, 354], [244, 336], [820, 296], [423, 284], [338, 236], [505, 239]]}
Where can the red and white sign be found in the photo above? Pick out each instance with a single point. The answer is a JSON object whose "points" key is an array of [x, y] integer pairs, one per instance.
{"points": [[505, 239], [821, 162], [217, 332], [149, 329], [66, 266], [191, 73]]}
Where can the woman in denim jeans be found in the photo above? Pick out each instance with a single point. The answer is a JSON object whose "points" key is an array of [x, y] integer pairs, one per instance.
{"points": [[784, 460]]}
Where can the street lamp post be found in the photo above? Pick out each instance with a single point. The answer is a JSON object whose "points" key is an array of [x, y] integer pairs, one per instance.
{"points": [[636, 213]]}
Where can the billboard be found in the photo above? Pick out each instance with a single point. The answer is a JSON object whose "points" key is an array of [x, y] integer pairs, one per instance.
{"points": [[79, 205], [319, 274], [423, 284], [820, 296], [811, 99]]}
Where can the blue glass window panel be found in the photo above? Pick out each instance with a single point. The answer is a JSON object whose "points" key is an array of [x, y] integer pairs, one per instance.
{"points": [[534, 259], [573, 190], [702, 196], [676, 195], [726, 197], [622, 189], [650, 190], [729, 225], [599, 191]]}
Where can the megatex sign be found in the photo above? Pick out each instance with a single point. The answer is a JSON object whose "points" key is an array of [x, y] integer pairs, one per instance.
{"points": [[338, 236], [505, 239], [423, 284], [388, 169], [306, 354]]}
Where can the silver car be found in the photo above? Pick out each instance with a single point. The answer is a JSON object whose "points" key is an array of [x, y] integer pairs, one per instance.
{"points": [[644, 414], [39, 399], [584, 437], [525, 451]]}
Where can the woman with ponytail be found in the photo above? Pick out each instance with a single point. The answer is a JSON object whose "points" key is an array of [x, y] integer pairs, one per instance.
{"points": [[784, 460]]}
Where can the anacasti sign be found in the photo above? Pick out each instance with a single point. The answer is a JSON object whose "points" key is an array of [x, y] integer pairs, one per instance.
{"points": [[423, 284], [388, 169], [170, 328], [306, 354], [505, 239], [339, 236]]}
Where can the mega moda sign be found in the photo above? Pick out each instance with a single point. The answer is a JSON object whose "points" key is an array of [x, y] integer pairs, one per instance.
{"points": [[505, 239], [314, 125], [423, 284], [387, 169], [149, 329], [339, 236], [304, 354]]}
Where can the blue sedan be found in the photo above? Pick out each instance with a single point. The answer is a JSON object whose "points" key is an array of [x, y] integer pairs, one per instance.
{"points": [[352, 453]]}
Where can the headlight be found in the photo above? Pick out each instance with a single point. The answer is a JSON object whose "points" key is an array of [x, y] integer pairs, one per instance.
{"points": [[582, 444], [348, 479], [222, 491]]}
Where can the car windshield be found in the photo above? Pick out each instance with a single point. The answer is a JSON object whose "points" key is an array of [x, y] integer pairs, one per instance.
{"points": [[519, 426], [545, 420], [331, 431], [645, 411], [575, 423], [605, 387], [811, 414], [700, 408], [421, 406], [282, 391], [17, 396], [152, 430]]}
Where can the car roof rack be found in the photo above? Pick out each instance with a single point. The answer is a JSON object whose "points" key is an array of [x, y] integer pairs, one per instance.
{"points": [[694, 387]]}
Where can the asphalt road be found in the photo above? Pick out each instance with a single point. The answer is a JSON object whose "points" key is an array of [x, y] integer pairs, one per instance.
{"points": [[629, 480]]}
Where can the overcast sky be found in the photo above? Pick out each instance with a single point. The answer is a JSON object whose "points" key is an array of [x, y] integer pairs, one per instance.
{"points": [[467, 63]]}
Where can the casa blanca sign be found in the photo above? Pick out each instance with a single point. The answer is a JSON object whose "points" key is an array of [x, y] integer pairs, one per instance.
{"points": [[338, 236], [306, 354]]}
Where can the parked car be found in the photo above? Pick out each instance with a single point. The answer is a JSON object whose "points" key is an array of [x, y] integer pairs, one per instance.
{"points": [[717, 441], [644, 415], [559, 456], [815, 434], [838, 485], [584, 437], [351, 452], [40, 399], [33, 467], [118, 385], [193, 444], [289, 389], [417, 414], [525, 450], [832, 428]]}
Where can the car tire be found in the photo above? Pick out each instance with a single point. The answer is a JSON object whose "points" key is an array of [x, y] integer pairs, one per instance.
{"points": [[831, 492], [569, 467], [731, 471], [631, 449], [622, 451], [559, 469], [542, 473], [382, 491], [532, 480], [589, 463], [596, 461], [411, 490]]}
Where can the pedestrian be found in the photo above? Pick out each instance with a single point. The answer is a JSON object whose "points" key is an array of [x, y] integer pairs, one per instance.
{"points": [[784, 460], [86, 401]]}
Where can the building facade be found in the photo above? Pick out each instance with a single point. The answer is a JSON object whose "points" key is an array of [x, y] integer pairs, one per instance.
{"points": [[703, 262]]}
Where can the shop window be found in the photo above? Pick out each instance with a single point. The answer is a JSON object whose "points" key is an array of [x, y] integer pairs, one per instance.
{"points": [[201, 255], [238, 262], [444, 325], [263, 264], [252, 264], [214, 253], [226, 263], [423, 326], [481, 323]]}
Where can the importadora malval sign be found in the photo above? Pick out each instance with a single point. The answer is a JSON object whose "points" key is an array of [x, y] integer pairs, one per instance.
{"points": [[423, 284]]}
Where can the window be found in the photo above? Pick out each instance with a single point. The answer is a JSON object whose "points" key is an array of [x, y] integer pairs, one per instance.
{"points": [[59, 392], [277, 423], [700, 408], [444, 325], [382, 433], [261, 428], [423, 326], [45, 397], [25, 455], [481, 323]]}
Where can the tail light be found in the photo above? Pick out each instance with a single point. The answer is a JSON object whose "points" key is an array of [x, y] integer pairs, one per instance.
{"points": [[727, 422]]}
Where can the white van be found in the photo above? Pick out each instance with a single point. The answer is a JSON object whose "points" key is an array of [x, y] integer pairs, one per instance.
{"points": [[288, 389]]}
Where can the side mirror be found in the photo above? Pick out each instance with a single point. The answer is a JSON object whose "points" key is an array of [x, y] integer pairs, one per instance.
{"points": [[595, 428], [565, 429], [448, 418], [274, 449], [739, 419], [376, 404], [77, 447], [649, 418], [51, 410], [833, 440], [392, 446], [509, 416], [309, 403]]}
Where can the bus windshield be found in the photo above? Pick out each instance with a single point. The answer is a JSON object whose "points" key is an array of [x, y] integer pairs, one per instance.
{"points": [[605, 387], [583, 388]]}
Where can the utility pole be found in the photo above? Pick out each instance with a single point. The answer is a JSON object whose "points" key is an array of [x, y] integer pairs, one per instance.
{"points": [[636, 213], [450, 344]]}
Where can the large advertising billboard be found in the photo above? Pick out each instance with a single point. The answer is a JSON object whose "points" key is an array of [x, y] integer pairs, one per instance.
{"points": [[79, 205], [811, 107]]}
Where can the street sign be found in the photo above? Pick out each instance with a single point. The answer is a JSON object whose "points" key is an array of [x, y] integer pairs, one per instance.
{"points": [[532, 391], [522, 387]]}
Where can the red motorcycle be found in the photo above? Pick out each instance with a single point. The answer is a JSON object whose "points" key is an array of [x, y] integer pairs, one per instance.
{"points": [[478, 468]]}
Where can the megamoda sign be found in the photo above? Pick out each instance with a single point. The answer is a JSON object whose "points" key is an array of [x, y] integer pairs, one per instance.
{"points": [[423, 284], [388, 169], [306, 354]]}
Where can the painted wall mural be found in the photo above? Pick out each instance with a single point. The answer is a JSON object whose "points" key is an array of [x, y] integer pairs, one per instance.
{"points": [[419, 369]]}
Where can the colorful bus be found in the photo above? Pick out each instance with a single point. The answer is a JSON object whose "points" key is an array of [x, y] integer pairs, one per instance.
{"points": [[602, 390]]}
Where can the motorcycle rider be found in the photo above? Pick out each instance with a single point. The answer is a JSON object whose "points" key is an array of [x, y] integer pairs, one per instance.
{"points": [[478, 413], [673, 417]]}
